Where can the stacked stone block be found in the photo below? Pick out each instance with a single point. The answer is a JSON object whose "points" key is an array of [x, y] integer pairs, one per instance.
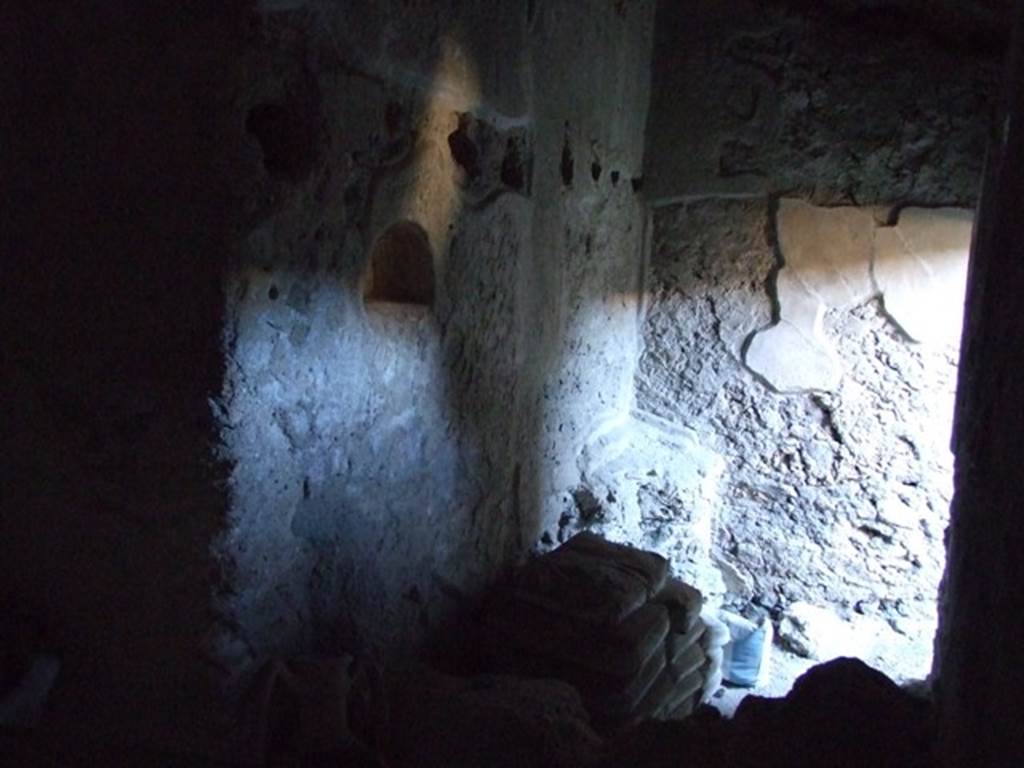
{"points": [[609, 620]]}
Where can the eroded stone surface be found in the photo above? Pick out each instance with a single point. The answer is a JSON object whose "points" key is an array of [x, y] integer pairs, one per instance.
{"points": [[836, 499], [644, 479], [388, 460], [776, 99]]}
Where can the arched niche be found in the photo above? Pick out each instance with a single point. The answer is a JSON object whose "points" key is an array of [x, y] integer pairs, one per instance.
{"points": [[401, 267]]}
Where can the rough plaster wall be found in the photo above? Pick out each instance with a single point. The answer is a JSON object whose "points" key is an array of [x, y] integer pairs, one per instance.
{"points": [[389, 461], [838, 496], [372, 467], [382, 463], [784, 502], [834, 498], [862, 109], [591, 86]]}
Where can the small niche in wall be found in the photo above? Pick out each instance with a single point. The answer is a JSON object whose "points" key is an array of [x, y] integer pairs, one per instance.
{"points": [[401, 267]]}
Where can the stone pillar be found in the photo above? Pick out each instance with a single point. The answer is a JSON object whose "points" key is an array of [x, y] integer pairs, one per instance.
{"points": [[980, 675]]}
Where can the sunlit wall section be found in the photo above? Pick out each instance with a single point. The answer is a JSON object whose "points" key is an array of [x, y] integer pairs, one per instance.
{"points": [[590, 80], [367, 430]]}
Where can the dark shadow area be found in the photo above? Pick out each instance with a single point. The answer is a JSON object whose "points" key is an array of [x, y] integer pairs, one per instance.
{"points": [[287, 140], [464, 149], [978, 674], [250, 512], [115, 220]]}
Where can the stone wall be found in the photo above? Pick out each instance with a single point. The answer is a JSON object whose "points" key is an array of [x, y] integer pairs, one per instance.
{"points": [[367, 480], [225, 451], [584, 288], [854, 108], [390, 459], [835, 491], [788, 442]]}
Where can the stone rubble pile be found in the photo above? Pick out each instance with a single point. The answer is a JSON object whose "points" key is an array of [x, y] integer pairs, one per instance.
{"points": [[612, 622]]}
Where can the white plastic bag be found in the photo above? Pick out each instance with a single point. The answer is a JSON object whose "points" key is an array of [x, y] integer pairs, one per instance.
{"points": [[746, 656]]}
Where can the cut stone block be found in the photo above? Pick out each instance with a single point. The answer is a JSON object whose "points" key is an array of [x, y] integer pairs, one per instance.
{"points": [[827, 264], [792, 359], [650, 567], [569, 615], [690, 660], [667, 694], [683, 602], [616, 705], [608, 697], [593, 580], [676, 645], [619, 651], [685, 709], [920, 268], [828, 250], [686, 688]]}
